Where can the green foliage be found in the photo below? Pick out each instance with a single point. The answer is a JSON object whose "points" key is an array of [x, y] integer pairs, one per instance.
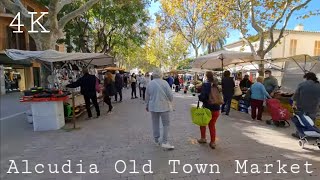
{"points": [[185, 64], [107, 24]]}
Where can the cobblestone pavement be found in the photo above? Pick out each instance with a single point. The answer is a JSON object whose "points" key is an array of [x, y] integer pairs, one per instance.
{"points": [[126, 135]]}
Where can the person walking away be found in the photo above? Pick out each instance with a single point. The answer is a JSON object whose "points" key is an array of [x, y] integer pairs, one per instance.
{"points": [[176, 83], [270, 83], [119, 86], [109, 90], [148, 79], [181, 82], [87, 83], [134, 86], [143, 84], [258, 95], [170, 81], [227, 91], [211, 82], [139, 83], [125, 80], [306, 98], [245, 83], [158, 102]]}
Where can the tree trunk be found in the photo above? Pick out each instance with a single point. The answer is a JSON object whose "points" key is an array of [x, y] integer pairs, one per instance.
{"points": [[195, 50], [261, 64], [209, 48], [45, 42]]}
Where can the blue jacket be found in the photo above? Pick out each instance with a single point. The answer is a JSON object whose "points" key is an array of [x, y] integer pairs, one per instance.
{"points": [[259, 92], [204, 97], [307, 97], [170, 81]]}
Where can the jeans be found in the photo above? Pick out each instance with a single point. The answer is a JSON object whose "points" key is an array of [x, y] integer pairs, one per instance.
{"points": [[227, 104], [134, 90], [144, 93], [107, 100], [140, 90], [177, 88], [93, 98], [156, 125], [256, 104], [212, 127], [119, 90]]}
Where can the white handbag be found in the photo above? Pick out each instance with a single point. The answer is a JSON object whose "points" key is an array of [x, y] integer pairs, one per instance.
{"points": [[237, 91]]}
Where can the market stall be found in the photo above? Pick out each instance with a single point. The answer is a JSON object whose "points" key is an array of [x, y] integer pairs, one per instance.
{"points": [[290, 75], [291, 70], [65, 68]]}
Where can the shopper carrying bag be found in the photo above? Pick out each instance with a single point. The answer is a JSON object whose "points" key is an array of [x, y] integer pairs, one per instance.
{"points": [[200, 116], [212, 99]]}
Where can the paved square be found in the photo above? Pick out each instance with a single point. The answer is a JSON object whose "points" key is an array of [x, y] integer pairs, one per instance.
{"points": [[127, 135]]}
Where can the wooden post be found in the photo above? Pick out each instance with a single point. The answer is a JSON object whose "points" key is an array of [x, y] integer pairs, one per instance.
{"points": [[73, 111]]}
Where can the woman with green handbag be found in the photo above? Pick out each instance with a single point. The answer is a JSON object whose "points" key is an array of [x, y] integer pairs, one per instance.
{"points": [[212, 100]]}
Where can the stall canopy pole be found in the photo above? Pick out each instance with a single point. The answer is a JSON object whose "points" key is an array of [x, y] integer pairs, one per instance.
{"points": [[73, 111], [298, 64], [221, 66], [313, 66]]}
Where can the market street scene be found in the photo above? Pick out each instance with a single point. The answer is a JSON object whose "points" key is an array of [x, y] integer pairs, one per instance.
{"points": [[159, 89]]}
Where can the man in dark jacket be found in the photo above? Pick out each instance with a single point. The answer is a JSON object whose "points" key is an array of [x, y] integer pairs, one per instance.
{"points": [[87, 84], [227, 91], [306, 98], [119, 85], [245, 83], [177, 83]]}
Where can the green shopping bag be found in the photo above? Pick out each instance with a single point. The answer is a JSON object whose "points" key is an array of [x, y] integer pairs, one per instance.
{"points": [[200, 116]]}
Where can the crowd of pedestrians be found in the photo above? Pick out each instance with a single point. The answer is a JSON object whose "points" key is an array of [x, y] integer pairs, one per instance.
{"points": [[156, 91]]}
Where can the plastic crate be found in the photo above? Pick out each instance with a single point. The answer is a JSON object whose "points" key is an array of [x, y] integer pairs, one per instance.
{"points": [[245, 110], [234, 104]]}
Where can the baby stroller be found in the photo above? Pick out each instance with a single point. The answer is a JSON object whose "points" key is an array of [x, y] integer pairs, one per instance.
{"points": [[307, 130], [279, 114]]}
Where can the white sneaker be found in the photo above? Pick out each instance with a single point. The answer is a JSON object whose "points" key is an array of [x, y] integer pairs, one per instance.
{"points": [[157, 143], [167, 146]]}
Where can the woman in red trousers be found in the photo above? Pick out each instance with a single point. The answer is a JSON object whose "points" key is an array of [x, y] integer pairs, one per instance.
{"points": [[215, 109]]}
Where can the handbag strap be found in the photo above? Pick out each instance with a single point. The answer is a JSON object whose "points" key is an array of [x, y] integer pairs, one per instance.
{"points": [[162, 90]]}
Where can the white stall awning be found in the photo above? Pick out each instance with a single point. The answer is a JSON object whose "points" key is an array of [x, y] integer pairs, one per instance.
{"points": [[215, 60], [52, 56]]}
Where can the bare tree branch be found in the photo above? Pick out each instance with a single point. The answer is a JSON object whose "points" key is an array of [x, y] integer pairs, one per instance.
{"points": [[63, 3], [63, 21], [257, 27], [274, 25], [272, 44]]}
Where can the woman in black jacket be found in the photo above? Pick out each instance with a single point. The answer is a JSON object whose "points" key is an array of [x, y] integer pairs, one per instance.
{"points": [[109, 90], [134, 86]]}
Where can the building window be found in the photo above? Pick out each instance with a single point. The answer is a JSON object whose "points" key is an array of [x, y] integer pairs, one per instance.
{"points": [[317, 48], [15, 40], [293, 47], [32, 44]]}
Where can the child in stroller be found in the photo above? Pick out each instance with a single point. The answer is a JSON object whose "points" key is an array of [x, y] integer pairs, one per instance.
{"points": [[307, 130]]}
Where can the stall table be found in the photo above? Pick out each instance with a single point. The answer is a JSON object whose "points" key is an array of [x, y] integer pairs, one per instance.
{"points": [[47, 113]]}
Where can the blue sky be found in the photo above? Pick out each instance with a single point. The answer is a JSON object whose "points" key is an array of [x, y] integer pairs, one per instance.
{"points": [[310, 24]]}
